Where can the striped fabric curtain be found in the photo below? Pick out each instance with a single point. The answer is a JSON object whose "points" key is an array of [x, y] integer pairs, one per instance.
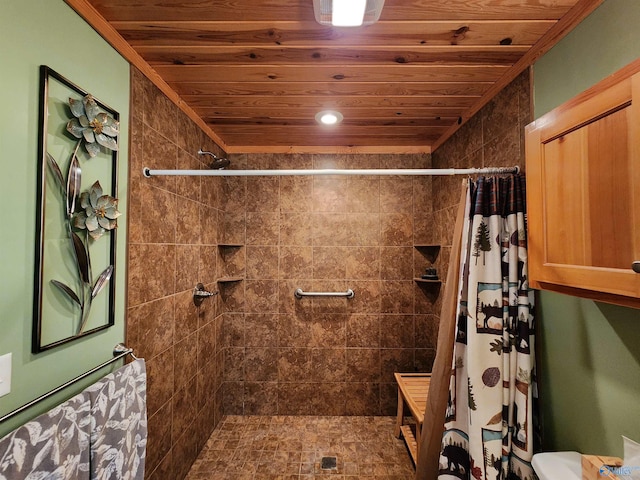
{"points": [[489, 416]]}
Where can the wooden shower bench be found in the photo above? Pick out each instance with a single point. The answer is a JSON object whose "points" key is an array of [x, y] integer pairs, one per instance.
{"points": [[413, 389]]}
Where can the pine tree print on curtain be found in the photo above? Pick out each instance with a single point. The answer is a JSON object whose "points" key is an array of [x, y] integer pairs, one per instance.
{"points": [[489, 418]]}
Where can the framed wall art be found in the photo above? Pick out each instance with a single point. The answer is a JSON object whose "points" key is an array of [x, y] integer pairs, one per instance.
{"points": [[76, 214]]}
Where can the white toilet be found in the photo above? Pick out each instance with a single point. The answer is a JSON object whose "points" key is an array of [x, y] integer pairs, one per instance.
{"points": [[558, 465]]}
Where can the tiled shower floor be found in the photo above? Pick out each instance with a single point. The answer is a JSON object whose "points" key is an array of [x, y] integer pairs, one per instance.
{"points": [[292, 447]]}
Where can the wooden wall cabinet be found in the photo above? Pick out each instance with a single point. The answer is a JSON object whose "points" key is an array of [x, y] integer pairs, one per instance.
{"points": [[583, 193]]}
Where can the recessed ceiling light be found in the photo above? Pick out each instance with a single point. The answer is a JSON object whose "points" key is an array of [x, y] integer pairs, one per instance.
{"points": [[329, 117]]}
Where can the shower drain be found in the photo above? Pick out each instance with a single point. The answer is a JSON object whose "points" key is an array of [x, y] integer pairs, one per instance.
{"points": [[328, 463]]}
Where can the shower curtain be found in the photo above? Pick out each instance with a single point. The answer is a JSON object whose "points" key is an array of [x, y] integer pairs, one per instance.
{"points": [[488, 432]]}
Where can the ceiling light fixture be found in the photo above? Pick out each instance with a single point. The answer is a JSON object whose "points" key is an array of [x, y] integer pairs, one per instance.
{"points": [[329, 117], [347, 13]]}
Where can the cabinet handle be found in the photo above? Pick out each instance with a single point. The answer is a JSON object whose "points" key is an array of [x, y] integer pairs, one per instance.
{"points": [[635, 266]]}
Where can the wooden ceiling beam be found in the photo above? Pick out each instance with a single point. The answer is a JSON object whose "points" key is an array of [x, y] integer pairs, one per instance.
{"points": [[321, 102], [336, 131], [349, 122], [332, 88], [383, 55], [288, 33], [478, 9], [345, 73], [390, 149], [241, 140], [209, 113]]}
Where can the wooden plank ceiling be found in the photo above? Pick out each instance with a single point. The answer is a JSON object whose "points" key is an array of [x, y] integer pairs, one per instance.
{"points": [[256, 72]]}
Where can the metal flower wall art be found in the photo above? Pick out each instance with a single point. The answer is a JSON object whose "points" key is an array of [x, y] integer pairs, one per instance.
{"points": [[92, 126], [75, 292], [88, 216], [99, 212]]}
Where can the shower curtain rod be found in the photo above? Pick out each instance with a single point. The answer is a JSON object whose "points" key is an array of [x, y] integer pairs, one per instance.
{"points": [[332, 171]]}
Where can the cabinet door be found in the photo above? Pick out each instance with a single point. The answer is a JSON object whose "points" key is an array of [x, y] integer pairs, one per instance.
{"points": [[583, 174]]}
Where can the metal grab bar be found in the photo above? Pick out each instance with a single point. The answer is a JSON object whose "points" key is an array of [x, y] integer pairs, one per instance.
{"points": [[119, 351], [299, 294]]}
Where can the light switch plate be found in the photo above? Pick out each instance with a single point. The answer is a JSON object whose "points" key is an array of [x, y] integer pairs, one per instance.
{"points": [[5, 374]]}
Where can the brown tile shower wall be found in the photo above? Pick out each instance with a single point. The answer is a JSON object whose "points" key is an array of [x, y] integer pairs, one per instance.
{"points": [[173, 236], [325, 356], [494, 137]]}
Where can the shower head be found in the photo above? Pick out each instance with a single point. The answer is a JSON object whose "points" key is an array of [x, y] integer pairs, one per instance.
{"points": [[218, 163]]}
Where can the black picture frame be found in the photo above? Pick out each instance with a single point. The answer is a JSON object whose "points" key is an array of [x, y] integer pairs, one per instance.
{"points": [[55, 315]]}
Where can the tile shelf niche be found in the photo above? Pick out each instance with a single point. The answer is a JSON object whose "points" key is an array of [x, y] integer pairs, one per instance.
{"points": [[229, 279], [430, 253], [229, 247]]}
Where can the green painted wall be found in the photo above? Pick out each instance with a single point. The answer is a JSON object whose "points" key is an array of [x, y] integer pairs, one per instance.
{"points": [[34, 33], [590, 352]]}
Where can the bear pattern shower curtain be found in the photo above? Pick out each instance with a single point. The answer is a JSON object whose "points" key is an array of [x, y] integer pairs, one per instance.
{"points": [[489, 416]]}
